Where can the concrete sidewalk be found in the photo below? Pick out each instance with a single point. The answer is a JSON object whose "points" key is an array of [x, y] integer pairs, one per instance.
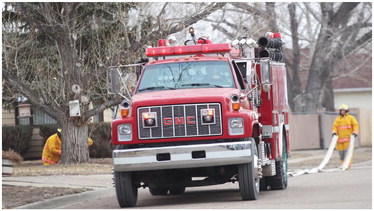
{"points": [[70, 181], [103, 184]]}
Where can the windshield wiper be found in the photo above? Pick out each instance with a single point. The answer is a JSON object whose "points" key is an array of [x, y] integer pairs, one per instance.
{"points": [[155, 87], [202, 84]]}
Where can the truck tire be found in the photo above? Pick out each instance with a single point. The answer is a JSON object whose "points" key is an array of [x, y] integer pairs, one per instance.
{"points": [[158, 191], [177, 190], [249, 183], [280, 180], [126, 190]]}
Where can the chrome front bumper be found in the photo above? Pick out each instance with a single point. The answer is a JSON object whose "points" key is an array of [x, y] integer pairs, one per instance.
{"points": [[186, 156]]}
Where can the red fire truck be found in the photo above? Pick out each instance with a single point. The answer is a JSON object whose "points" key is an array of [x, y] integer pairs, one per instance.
{"points": [[204, 114]]}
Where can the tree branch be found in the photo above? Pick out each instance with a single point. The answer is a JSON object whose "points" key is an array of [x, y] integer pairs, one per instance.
{"points": [[355, 46], [53, 111], [272, 21], [316, 16], [205, 12], [252, 10], [32, 14], [353, 71], [195, 18], [160, 14], [102, 107], [342, 15], [225, 31]]}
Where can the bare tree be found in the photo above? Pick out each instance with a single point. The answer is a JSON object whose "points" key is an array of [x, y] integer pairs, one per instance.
{"points": [[330, 31], [340, 35], [57, 52]]}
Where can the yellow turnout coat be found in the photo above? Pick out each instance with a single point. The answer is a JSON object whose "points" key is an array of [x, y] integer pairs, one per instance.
{"points": [[344, 126], [52, 150]]}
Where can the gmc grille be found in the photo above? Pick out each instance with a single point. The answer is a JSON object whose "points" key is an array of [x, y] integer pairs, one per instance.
{"points": [[183, 120]]}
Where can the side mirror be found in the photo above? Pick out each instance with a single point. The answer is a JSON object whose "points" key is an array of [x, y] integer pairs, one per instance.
{"points": [[266, 79], [113, 80], [121, 79]]}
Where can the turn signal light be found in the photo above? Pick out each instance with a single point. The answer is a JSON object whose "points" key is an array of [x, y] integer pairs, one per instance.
{"points": [[124, 112], [236, 106]]}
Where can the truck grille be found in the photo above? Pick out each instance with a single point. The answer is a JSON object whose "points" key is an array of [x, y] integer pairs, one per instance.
{"points": [[183, 120]]}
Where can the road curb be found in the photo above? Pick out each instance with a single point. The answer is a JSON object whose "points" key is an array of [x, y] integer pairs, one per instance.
{"points": [[61, 201]]}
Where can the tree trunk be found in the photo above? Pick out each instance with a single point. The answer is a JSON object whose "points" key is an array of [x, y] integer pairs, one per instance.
{"points": [[74, 143], [271, 16], [320, 66], [294, 84], [327, 99]]}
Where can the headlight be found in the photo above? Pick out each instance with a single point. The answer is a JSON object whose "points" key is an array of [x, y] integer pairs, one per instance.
{"points": [[236, 123], [236, 126], [124, 132]]}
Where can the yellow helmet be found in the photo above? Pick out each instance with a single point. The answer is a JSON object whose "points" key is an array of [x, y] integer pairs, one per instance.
{"points": [[343, 107], [90, 142], [59, 130]]}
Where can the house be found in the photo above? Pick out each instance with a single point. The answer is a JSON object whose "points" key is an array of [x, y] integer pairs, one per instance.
{"points": [[352, 85], [10, 117]]}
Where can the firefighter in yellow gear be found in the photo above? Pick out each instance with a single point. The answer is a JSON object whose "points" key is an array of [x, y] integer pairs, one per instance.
{"points": [[52, 148], [344, 126]]}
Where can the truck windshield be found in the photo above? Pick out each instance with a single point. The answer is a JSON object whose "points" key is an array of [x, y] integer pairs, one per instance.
{"points": [[186, 75]]}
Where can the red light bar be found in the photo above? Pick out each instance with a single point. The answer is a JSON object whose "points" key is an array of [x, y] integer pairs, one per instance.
{"points": [[159, 51], [188, 49], [216, 48]]}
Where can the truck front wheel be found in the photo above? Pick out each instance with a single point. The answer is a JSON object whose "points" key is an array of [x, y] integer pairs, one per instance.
{"points": [[126, 189], [249, 183]]}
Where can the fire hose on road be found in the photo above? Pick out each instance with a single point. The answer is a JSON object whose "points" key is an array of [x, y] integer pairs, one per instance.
{"points": [[326, 159]]}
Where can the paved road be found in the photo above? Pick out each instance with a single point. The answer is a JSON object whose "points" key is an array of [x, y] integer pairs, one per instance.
{"points": [[348, 189]]}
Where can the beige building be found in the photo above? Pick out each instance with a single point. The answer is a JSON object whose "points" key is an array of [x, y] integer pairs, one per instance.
{"points": [[360, 100], [354, 97], [8, 117], [39, 118]]}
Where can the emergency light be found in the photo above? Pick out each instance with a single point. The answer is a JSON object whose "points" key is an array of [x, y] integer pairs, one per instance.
{"points": [[207, 116], [188, 49], [149, 119]]}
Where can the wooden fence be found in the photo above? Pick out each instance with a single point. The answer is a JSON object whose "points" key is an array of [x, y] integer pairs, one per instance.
{"points": [[313, 130]]}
